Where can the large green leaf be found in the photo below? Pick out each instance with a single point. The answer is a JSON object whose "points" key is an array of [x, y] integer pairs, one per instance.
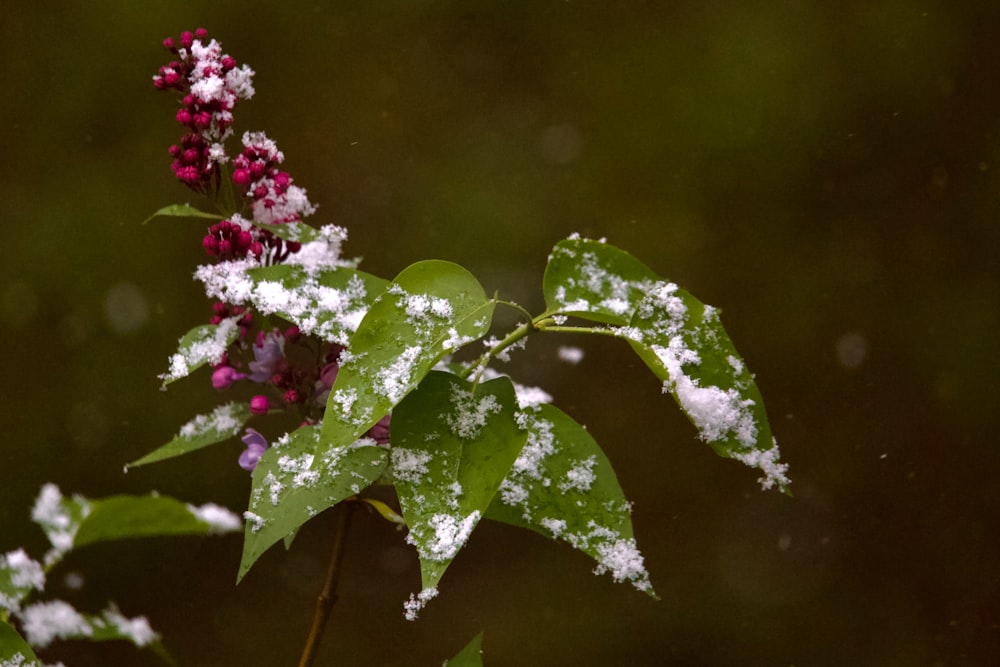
{"points": [[563, 487], [432, 308], [14, 651], [296, 479], [222, 424], [329, 303], [681, 339], [452, 446], [201, 345]]}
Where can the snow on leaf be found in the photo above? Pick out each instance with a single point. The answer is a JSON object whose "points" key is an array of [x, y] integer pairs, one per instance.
{"points": [[299, 477], [452, 446], [221, 424], [562, 486], [427, 310], [202, 345]]}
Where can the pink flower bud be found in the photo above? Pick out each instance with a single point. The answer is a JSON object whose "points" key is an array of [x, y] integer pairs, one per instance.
{"points": [[259, 405], [224, 377], [211, 244]]}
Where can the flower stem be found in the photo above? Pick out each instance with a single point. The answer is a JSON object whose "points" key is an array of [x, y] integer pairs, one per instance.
{"points": [[328, 596]]}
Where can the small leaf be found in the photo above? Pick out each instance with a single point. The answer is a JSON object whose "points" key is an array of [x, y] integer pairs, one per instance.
{"points": [[452, 446], [562, 486], [201, 345], [224, 423], [182, 211], [127, 517], [328, 304], [470, 656], [14, 651], [432, 308], [296, 479], [292, 231]]}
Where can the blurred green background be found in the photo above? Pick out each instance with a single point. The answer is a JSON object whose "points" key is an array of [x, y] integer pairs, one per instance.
{"points": [[826, 173]]}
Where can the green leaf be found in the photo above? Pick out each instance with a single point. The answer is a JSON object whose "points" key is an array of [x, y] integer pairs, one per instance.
{"points": [[201, 345], [19, 576], [224, 423], [562, 486], [296, 479], [452, 446], [182, 211], [14, 651], [594, 280], [432, 308], [292, 231], [470, 656], [127, 517], [681, 340], [328, 304]]}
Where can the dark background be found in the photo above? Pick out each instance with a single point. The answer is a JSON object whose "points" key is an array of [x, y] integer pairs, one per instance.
{"points": [[826, 173]]}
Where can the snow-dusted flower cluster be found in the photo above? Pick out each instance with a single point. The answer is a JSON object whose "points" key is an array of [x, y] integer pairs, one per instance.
{"points": [[290, 369], [210, 84]]}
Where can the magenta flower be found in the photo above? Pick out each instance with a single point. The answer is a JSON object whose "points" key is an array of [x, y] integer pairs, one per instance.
{"points": [[224, 376], [256, 446]]}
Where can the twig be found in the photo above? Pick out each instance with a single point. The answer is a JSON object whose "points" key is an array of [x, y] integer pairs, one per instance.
{"points": [[328, 596]]}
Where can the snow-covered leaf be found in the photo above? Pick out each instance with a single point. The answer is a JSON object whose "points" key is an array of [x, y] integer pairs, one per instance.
{"points": [[201, 345], [222, 424], [296, 479], [562, 486], [452, 446], [432, 308], [681, 339]]}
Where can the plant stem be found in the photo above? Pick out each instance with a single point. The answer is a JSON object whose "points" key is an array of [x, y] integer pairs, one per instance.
{"points": [[328, 596]]}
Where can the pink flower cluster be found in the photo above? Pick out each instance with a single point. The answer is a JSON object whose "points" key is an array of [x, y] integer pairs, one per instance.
{"points": [[275, 199], [237, 238], [210, 84], [291, 371]]}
